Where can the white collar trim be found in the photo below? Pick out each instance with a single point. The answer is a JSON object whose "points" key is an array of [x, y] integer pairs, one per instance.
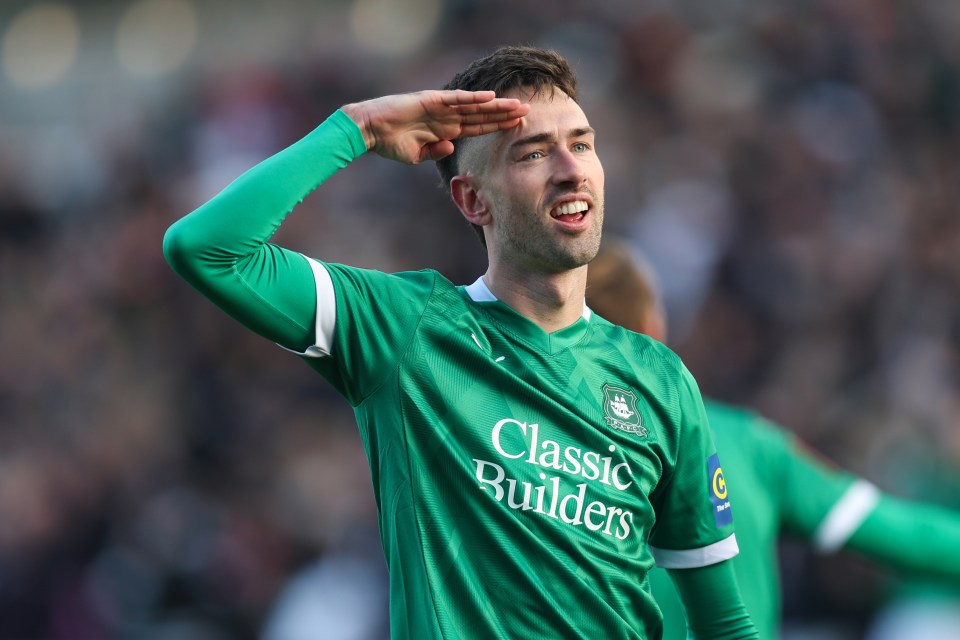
{"points": [[480, 292]]}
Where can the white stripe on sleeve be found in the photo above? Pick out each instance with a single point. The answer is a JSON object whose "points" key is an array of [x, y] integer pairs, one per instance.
{"points": [[326, 313], [693, 558], [846, 516]]}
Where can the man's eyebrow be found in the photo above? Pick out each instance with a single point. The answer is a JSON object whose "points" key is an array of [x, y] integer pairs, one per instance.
{"points": [[537, 138]]}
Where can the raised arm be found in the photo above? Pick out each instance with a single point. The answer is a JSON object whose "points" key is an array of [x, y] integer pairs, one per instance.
{"points": [[222, 247]]}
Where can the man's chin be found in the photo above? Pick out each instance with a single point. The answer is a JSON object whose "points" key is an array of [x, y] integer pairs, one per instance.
{"points": [[584, 253]]}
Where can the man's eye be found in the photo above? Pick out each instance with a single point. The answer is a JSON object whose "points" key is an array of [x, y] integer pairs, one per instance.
{"points": [[581, 147], [535, 155]]}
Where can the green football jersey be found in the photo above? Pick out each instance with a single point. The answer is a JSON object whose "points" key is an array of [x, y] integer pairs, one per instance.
{"points": [[525, 480]]}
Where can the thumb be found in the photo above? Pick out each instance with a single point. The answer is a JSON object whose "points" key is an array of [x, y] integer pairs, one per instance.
{"points": [[437, 150]]}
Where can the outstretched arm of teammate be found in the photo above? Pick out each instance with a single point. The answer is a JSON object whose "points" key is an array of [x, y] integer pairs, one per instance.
{"points": [[222, 247], [835, 509], [712, 600], [915, 537]]}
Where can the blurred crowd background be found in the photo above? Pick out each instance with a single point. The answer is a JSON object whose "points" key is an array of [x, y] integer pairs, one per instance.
{"points": [[791, 169]]}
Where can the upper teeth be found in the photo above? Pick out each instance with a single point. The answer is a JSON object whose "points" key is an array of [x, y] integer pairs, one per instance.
{"points": [[569, 208]]}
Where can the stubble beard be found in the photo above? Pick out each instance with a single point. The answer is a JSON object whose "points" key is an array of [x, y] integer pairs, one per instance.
{"points": [[550, 252]]}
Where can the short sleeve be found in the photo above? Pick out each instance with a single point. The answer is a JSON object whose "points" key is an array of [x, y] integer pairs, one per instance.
{"points": [[694, 525]]}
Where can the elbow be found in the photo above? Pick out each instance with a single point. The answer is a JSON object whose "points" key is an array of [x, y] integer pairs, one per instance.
{"points": [[180, 250], [173, 247]]}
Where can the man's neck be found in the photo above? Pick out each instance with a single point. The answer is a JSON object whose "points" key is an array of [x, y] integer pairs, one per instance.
{"points": [[553, 302]]}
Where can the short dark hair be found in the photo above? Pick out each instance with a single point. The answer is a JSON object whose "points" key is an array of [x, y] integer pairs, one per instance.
{"points": [[508, 68]]}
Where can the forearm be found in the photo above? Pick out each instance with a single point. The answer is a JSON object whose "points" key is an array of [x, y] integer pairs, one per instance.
{"points": [[713, 604], [222, 249], [911, 536]]}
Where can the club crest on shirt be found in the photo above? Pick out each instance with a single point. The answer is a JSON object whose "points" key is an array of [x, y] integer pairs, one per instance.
{"points": [[620, 409]]}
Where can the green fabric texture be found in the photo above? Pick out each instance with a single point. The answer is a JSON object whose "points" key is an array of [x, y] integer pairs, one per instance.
{"points": [[712, 589], [917, 539]]}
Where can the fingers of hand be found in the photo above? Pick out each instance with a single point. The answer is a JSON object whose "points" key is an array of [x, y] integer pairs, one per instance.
{"points": [[494, 107], [483, 128], [460, 97], [478, 124], [480, 102], [436, 150], [495, 116]]}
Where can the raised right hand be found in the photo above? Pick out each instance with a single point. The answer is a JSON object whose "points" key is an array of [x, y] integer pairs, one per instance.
{"points": [[413, 127]]}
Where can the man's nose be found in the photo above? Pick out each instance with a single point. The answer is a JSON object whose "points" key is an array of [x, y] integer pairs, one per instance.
{"points": [[569, 168]]}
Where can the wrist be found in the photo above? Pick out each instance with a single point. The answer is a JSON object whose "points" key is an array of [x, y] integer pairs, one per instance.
{"points": [[356, 112]]}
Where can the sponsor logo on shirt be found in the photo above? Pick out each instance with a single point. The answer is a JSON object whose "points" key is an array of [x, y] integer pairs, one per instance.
{"points": [[620, 409], [557, 467], [718, 492]]}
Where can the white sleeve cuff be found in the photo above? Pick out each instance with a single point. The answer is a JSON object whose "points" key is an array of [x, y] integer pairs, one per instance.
{"points": [[693, 558], [846, 516]]}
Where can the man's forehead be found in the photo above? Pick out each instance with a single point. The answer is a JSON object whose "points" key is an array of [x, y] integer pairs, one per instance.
{"points": [[552, 112], [556, 116], [548, 98]]}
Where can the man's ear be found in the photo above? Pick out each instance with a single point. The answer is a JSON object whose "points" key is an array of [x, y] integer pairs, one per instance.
{"points": [[468, 200]]}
